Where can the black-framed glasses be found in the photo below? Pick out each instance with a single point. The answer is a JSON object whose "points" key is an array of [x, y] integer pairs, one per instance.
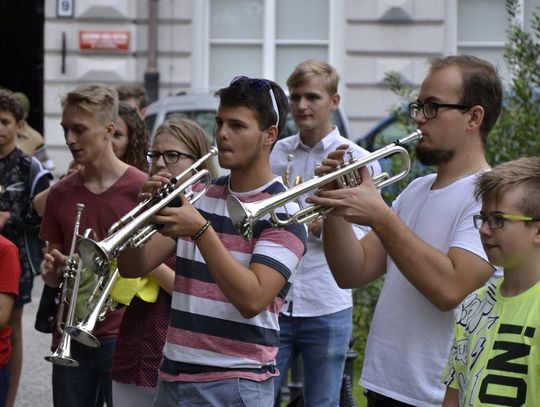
{"points": [[259, 84], [430, 109], [169, 156], [496, 220]]}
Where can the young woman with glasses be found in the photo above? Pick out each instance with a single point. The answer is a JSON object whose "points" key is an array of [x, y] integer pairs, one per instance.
{"points": [[176, 146]]}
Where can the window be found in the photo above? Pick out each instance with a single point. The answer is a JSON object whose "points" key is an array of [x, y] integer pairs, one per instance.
{"points": [[265, 38], [487, 40]]}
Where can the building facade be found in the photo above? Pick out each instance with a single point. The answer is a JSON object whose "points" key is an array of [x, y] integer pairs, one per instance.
{"points": [[202, 44]]}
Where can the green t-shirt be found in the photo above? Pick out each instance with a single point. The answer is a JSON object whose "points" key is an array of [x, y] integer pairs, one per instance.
{"points": [[495, 358]]}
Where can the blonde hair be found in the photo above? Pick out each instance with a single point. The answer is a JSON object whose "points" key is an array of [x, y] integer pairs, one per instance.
{"points": [[193, 136], [96, 98], [311, 68], [523, 173]]}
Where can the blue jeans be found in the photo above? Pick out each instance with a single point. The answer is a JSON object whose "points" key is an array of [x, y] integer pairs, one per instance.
{"points": [[323, 343], [220, 393], [80, 386]]}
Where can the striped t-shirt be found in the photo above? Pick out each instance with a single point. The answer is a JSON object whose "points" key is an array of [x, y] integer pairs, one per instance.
{"points": [[208, 338]]}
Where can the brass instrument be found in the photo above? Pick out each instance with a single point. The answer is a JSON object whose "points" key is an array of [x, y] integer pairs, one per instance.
{"points": [[72, 272], [245, 215], [287, 174], [134, 229], [100, 304]]}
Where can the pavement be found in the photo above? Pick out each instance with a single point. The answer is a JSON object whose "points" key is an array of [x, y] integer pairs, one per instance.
{"points": [[35, 388]]}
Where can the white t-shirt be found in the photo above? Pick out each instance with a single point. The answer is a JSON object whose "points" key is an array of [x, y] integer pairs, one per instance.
{"points": [[314, 291], [409, 339]]}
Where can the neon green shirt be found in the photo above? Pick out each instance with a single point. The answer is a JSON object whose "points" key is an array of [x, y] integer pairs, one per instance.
{"points": [[495, 358]]}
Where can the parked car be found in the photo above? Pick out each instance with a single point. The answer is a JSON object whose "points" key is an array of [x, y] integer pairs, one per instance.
{"points": [[201, 106]]}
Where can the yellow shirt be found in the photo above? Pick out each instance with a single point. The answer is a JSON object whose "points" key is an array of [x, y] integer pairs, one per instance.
{"points": [[495, 358]]}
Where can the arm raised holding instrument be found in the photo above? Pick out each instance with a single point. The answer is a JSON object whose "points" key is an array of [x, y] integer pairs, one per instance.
{"points": [[443, 278], [425, 245], [227, 290]]}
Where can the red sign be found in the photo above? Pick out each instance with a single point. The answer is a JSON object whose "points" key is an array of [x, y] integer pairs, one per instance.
{"points": [[104, 40]]}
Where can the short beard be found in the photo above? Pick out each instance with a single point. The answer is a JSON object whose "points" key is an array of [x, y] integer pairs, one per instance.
{"points": [[433, 157]]}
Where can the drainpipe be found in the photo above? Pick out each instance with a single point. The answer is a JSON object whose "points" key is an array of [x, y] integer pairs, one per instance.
{"points": [[151, 76]]}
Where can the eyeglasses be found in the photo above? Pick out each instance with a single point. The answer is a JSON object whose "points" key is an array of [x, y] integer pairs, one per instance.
{"points": [[430, 109], [259, 84], [169, 156], [496, 220]]}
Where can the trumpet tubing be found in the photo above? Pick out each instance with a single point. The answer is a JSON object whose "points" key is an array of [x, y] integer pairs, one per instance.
{"points": [[134, 229], [244, 215], [62, 354]]}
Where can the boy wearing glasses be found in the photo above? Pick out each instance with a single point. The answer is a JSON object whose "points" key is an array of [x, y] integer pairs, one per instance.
{"points": [[496, 352], [223, 332], [425, 245]]}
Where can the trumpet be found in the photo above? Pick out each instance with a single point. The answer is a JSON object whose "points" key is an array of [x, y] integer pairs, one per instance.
{"points": [[82, 332], [245, 215], [72, 271], [134, 229], [287, 174]]}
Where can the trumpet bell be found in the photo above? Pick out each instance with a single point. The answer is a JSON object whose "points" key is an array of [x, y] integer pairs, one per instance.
{"points": [[84, 336], [240, 217], [62, 360], [93, 256]]}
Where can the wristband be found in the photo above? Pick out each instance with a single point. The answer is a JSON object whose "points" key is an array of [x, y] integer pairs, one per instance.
{"points": [[200, 231]]}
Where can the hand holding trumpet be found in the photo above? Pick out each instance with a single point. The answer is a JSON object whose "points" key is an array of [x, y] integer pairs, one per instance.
{"points": [[152, 184], [51, 267], [177, 219], [362, 204]]}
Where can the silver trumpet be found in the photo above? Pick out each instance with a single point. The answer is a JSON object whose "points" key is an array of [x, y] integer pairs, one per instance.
{"points": [[72, 272], [287, 174], [134, 229], [82, 332], [245, 215]]}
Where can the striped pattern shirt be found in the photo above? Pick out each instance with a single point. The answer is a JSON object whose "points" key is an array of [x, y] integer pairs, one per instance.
{"points": [[208, 338]]}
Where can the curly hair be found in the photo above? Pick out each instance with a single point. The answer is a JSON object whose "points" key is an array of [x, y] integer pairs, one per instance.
{"points": [[11, 103], [137, 135]]}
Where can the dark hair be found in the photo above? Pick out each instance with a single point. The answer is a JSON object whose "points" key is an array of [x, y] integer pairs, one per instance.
{"points": [[523, 173], [481, 86], [135, 91], [137, 135], [11, 103], [254, 94]]}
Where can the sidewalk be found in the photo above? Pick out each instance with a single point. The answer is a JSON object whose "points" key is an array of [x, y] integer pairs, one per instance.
{"points": [[35, 385]]}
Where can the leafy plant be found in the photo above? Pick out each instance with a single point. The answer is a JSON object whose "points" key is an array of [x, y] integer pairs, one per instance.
{"points": [[517, 131]]}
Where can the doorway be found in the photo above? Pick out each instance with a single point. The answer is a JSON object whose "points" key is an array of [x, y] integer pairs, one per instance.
{"points": [[21, 53]]}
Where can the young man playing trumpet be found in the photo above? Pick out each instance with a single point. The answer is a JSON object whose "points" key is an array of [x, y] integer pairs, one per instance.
{"points": [[108, 188], [426, 244], [316, 319], [224, 333]]}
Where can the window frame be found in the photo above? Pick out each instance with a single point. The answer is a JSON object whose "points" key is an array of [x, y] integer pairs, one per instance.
{"points": [[269, 43]]}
